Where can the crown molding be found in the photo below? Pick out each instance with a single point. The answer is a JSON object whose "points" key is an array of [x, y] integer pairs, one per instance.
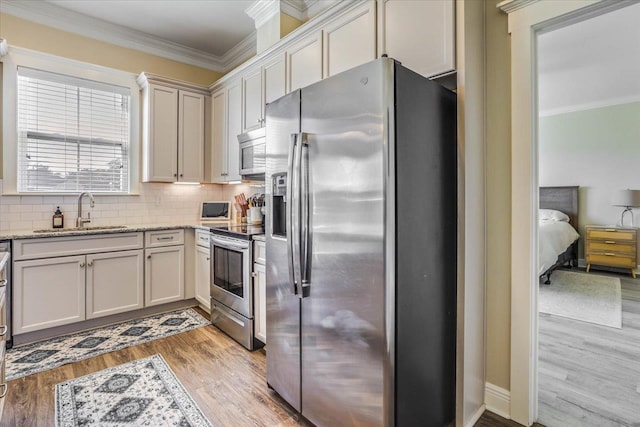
{"points": [[4, 49], [294, 8], [54, 16], [315, 7], [262, 11], [509, 6], [144, 79]]}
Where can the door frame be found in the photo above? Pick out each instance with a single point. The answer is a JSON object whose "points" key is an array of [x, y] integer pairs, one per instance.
{"points": [[527, 19]]}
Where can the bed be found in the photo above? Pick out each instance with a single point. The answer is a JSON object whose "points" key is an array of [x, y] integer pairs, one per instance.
{"points": [[557, 235]]}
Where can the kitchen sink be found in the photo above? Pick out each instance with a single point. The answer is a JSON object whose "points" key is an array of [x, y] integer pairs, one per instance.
{"points": [[67, 230]]}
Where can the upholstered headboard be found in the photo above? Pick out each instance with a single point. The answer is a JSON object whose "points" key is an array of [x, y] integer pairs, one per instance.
{"points": [[563, 199]]}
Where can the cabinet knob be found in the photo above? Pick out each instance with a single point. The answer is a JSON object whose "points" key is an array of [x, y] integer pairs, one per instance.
{"points": [[181, 175], [148, 256], [175, 175], [90, 264], [254, 274], [208, 259], [3, 282], [3, 330], [82, 265], [259, 120]]}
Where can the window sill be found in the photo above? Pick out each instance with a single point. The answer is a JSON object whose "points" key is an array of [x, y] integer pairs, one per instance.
{"points": [[70, 194]]}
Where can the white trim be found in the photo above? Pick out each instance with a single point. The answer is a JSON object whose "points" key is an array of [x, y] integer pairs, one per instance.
{"points": [[42, 61], [294, 8], [497, 400], [262, 11], [316, 7], [54, 16], [4, 48], [145, 78], [610, 102], [474, 419], [509, 6]]}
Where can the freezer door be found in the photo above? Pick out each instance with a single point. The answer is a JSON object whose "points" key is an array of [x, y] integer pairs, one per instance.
{"points": [[283, 306], [343, 315]]}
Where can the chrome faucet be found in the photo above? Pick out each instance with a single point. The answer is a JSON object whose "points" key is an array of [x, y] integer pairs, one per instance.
{"points": [[80, 222]]}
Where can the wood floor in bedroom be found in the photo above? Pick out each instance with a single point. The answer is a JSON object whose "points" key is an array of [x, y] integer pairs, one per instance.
{"points": [[589, 375]]}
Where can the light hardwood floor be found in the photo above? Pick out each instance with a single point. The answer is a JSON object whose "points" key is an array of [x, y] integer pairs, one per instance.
{"points": [[226, 381], [589, 375]]}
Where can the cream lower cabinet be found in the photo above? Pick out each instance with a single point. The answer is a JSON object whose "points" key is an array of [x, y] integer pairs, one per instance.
{"points": [[48, 292], [164, 275], [115, 283], [259, 291], [202, 276]]}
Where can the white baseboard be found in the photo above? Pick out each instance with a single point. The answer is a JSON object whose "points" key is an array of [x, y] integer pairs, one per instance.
{"points": [[474, 419], [497, 400]]}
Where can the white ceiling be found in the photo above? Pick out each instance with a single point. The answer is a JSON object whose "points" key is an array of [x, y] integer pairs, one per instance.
{"points": [[590, 64], [212, 26]]}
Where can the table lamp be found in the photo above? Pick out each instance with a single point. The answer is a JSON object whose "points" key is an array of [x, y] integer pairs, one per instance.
{"points": [[628, 199]]}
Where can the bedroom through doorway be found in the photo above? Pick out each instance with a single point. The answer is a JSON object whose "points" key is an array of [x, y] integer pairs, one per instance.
{"points": [[588, 151]]}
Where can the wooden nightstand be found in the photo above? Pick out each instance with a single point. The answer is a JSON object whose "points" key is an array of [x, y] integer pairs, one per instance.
{"points": [[612, 247]]}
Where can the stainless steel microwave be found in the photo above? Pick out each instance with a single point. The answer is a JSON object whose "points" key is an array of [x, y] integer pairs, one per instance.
{"points": [[252, 154]]}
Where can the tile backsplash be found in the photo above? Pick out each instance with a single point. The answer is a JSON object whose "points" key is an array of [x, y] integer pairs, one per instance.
{"points": [[155, 204]]}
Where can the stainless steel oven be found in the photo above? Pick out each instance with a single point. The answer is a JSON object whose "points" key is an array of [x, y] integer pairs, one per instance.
{"points": [[231, 288], [252, 154]]}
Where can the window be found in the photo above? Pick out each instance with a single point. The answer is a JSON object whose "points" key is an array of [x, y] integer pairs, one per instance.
{"points": [[73, 134]]}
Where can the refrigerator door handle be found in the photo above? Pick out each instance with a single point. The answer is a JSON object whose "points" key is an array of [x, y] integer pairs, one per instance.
{"points": [[305, 254], [296, 214], [289, 212]]}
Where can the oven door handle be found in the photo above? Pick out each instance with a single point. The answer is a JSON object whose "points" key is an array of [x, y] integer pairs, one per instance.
{"points": [[227, 245]]}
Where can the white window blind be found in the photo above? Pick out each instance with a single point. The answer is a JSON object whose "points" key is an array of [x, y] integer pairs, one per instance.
{"points": [[73, 134]]}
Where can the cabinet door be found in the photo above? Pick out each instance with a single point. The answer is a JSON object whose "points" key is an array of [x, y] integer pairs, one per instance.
{"points": [[161, 145], [275, 78], [191, 137], [420, 34], [218, 135], [164, 275], [260, 301], [48, 292], [350, 40], [234, 128], [203, 275], [115, 283], [252, 100], [304, 60]]}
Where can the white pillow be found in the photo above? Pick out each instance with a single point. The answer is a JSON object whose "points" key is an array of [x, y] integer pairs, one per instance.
{"points": [[552, 215]]}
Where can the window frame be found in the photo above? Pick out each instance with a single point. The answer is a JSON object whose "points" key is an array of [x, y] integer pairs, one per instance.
{"points": [[19, 57]]}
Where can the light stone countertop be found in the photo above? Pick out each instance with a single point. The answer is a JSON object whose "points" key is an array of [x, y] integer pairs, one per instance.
{"points": [[29, 234]]}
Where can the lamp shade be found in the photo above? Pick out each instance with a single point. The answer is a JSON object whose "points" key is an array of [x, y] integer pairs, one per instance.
{"points": [[627, 198]]}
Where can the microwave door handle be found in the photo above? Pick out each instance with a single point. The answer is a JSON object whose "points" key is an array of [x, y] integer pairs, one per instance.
{"points": [[305, 258], [289, 213]]}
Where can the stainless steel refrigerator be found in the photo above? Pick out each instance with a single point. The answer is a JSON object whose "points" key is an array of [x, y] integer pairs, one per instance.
{"points": [[361, 248]]}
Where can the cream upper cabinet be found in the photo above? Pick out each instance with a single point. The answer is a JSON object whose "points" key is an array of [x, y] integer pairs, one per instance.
{"points": [[226, 121], [115, 283], [304, 61], [350, 40], [218, 159], [234, 128], [173, 130], [48, 292], [419, 34], [190, 136], [160, 134], [252, 100], [275, 78]]}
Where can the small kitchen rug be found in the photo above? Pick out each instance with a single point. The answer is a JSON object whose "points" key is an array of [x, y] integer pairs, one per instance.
{"points": [[144, 392], [44, 355]]}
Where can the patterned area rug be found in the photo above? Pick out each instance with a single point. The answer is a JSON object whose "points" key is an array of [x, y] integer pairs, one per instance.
{"points": [[144, 392], [586, 297], [43, 355]]}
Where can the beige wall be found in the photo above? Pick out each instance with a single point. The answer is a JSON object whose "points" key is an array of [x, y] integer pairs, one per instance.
{"points": [[288, 24], [27, 34], [498, 196]]}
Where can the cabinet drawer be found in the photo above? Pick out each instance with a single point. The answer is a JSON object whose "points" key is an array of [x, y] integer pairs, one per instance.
{"points": [[611, 246], [259, 252], [164, 238], [611, 234], [48, 247], [612, 260], [202, 238]]}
